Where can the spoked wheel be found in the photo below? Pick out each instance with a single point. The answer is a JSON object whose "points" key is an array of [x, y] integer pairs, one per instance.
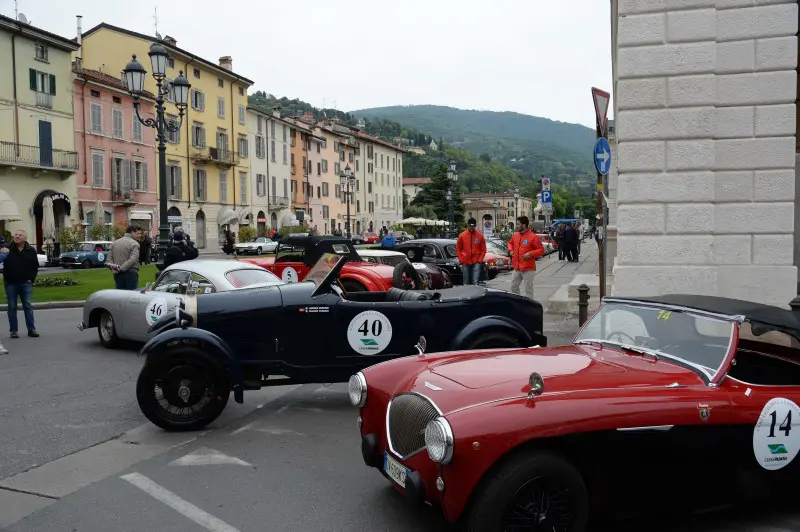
{"points": [[107, 331], [537, 491], [185, 391]]}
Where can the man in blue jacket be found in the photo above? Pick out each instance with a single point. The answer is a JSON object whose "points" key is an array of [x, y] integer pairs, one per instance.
{"points": [[20, 268]]}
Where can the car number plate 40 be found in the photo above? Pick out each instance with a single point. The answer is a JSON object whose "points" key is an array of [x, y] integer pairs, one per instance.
{"points": [[394, 469]]}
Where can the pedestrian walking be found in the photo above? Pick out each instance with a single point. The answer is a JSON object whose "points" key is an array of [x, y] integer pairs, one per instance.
{"points": [[20, 268], [145, 248], [124, 260], [179, 251], [562, 250], [471, 250], [524, 247]]}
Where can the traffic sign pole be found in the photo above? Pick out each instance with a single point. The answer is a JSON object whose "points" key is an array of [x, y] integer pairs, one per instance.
{"points": [[601, 100]]}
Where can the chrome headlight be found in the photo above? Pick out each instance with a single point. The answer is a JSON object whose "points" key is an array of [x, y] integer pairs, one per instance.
{"points": [[357, 390], [439, 441]]}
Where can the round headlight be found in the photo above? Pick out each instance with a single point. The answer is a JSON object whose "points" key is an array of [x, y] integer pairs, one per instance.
{"points": [[357, 390], [439, 441]]}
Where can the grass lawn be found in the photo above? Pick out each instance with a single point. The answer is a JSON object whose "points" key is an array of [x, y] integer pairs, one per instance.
{"points": [[90, 281]]}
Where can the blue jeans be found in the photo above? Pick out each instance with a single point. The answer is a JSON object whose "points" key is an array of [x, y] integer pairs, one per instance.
{"points": [[126, 280], [471, 272], [24, 291]]}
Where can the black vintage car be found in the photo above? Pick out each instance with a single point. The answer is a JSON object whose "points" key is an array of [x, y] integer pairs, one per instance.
{"points": [[440, 252], [312, 331]]}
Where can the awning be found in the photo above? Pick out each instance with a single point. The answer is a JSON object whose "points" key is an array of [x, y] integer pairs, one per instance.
{"points": [[8, 207], [242, 215], [55, 196], [226, 216]]}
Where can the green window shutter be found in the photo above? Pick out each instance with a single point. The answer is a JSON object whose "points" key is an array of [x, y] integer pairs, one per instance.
{"points": [[52, 84], [33, 79]]}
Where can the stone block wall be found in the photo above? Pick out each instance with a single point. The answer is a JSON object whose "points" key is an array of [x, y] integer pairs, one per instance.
{"points": [[705, 96]]}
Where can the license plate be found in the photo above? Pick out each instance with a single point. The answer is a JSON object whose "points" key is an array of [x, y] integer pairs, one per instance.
{"points": [[394, 469]]}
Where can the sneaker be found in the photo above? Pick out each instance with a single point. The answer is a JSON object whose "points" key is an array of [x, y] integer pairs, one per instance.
{"points": [[14, 334], [3, 350], [33, 334]]}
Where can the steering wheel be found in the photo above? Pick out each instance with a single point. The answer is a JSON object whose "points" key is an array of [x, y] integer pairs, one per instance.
{"points": [[621, 334]]}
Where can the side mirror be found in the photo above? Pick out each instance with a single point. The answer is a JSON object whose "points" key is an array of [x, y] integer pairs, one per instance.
{"points": [[421, 345]]}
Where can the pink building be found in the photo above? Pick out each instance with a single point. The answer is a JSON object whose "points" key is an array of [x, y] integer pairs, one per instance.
{"points": [[116, 153]]}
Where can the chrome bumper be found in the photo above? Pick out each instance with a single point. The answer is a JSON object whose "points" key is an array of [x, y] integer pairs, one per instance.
{"points": [[81, 326]]}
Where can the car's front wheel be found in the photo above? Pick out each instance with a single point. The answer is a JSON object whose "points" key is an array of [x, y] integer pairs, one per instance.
{"points": [[86, 264], [258, 251], [536, 491], [493, 340], [185, 390], [107, 331]]}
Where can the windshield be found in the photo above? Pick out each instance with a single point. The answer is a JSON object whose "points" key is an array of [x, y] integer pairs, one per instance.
{"points": [[699, 340], [89, 247], [450, 249], [323, 268], [248, 277]]}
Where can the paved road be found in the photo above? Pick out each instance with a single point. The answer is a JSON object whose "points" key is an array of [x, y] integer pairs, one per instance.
{"points": [[294, 465]]}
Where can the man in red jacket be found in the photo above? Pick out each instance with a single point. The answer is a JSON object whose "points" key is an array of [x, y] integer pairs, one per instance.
{"points": [[524, 247], [471, 249]]}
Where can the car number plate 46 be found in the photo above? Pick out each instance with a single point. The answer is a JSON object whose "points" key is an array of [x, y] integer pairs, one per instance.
{"points": [[394, 469]]}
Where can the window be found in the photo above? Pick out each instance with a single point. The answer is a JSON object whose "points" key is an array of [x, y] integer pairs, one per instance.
{"points": [[284, 133], [241, 114], [356, 165], [170, 94], [325, 189], [198, 135], [260, 147], [117, 128], [325, 212], [324, 166], [43, 82], [198, 100], [120, 174], [261, 185], [200, 184], [173, 136], [139, 175], [40, 51], [352, 157], [223, 186], [243, 186], [170, 62], [221, 107], [337, 190], [174, 181], [285, 161], [241, 91], [196, 72], [222, 142], [98, 165], [96, 116], [337, 169], [272, 126], [245, 278], [136, 134], [243, 146], [260, 123], [220, 83]]}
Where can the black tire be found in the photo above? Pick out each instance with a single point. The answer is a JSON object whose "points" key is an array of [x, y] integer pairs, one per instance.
{"points": [[407, 269], [183, 362], [353, 286], [559, 484], [107, 331], [86, 264], [258, 251], [493, 340]]}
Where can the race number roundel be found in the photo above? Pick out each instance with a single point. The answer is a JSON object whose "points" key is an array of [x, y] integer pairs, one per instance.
{"points": [[100, 256], [369, 333], [289, 275], [155, 309], [776, 439]]}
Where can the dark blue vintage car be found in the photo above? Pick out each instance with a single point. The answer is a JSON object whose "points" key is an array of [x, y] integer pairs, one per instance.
{"points": [[88, 255], [312, 331]]}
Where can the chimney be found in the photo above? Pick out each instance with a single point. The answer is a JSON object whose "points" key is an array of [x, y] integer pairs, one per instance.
{"points": [[79, 58], [276, 111], [170, 41], [226, 62], [308, 115]]}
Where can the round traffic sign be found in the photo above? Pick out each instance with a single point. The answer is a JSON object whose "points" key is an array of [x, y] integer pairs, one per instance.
{"points": [[602, 156]]}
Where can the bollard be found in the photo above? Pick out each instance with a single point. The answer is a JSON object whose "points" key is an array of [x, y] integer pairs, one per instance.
{"points": [[583, 304]]}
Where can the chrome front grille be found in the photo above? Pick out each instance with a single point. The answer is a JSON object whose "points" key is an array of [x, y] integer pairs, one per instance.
{"points": [[406, 419]]}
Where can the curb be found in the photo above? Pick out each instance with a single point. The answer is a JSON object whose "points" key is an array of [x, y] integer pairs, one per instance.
{"points": [[50, 305]]}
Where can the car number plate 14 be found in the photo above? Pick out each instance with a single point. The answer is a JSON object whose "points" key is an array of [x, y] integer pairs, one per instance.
{"points": [[394, 469]]}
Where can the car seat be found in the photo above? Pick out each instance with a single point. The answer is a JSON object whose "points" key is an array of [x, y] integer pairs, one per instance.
{"points": [[396, 294]]}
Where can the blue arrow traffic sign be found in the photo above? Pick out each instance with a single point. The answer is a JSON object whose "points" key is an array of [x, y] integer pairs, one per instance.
{"points": [[547, 196], [602, 156]]}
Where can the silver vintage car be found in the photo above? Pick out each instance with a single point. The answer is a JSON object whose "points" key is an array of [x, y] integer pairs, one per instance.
{"points": [[128, 314]]}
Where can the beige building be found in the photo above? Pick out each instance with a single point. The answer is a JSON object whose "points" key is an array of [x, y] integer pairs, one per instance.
{"points": [[508, 209], [37, 141], [412, 186]]}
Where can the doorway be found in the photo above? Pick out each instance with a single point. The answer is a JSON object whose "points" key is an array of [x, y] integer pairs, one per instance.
{"points": [[200, 229], [273, 219]]}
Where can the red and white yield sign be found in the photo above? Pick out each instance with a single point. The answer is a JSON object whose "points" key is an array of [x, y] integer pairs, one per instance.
{"points": [[601, 99]]}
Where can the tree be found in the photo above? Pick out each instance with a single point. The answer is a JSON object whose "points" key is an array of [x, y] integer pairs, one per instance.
{"points": [[434, 194], [485, 157]]}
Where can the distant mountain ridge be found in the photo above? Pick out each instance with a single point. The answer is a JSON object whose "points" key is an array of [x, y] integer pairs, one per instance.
{"points": [[461, 125]]}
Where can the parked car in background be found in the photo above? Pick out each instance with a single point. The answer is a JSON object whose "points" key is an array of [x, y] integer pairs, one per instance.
{"points": [[89, 254], [368, 237], [127, 314], [414, 276], [679, 402], [549, 243], [442, 253], [311, 331], [256, 246], [401, 236]]}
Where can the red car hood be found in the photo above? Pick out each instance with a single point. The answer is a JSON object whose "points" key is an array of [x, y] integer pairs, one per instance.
{"points": [[473, 378]]}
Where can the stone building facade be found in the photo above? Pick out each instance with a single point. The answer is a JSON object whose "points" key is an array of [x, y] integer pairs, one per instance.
{"points": [[704, 95]]}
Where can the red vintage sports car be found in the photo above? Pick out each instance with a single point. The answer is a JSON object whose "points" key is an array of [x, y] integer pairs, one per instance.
{"points": [[295, 255], [659, 404]]}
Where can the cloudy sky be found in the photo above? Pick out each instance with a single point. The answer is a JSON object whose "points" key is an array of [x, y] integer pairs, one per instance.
{"points": [[537, 57]]}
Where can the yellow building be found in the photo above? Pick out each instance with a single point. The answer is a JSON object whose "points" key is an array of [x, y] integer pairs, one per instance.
{"points": [[37, 141], [208, 159]]}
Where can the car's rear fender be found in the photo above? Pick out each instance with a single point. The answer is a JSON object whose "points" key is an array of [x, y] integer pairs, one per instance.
{"points": [[486, 324], [159, 347], [372, 283]]}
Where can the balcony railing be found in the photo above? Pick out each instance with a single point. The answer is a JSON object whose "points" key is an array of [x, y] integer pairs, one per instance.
{"points": [[278, 202], [44, 100], [217, 155], [12, 154], [123, 196]]}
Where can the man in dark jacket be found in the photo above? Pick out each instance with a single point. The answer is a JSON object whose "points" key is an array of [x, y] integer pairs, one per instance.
{"points": [[179, 251], [20, 269]]}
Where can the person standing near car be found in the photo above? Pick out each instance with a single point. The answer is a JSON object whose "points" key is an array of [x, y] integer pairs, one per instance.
{"points": [[124, 259], [471, 250], [179, 251], [20, 268], [524, 247]]}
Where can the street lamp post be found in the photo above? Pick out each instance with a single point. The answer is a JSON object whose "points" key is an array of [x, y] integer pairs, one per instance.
{"points": [[516, 203], [347, 181], [452, 179], [134, 78], [496, 205]]}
